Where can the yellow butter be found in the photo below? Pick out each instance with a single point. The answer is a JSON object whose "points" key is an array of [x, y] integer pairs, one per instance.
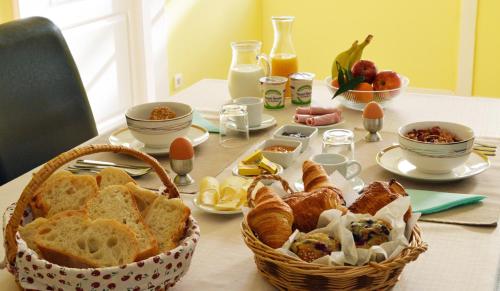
{"points": [[268, 166], [209, 191], [254, 158], [248, 170], [228, 205]]}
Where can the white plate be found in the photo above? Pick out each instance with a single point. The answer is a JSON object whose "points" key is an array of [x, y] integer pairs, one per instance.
{"points": [[357, 184], [392, 160], [123, 137], [213, 210], [334, 125], [265, 182], [267, 121]]}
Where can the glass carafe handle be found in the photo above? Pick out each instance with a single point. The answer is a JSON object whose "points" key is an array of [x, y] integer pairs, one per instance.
{"points": [[263, 60]]}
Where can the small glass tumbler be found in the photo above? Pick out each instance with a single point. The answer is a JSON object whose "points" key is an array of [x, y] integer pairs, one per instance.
{"points": [[233, 126], [339, 141]]}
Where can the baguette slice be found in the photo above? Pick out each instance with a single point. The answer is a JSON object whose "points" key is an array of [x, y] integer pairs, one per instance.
{"points": [[29, 231], [143, 197], [167, 218], [71, 239], [66, 192], [37, 212], [113, 176], [116, 202]]}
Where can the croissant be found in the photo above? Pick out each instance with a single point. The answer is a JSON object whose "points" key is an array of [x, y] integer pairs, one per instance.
{"points": [[315, 177], [377, 195], [271, 218], [307, 206]]}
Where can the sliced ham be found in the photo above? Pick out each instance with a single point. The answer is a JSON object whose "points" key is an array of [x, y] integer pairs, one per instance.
{"points": [[301, 118], [316, 110], [324, 119]]}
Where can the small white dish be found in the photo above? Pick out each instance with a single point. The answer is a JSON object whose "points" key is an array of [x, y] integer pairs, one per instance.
{"points": [[284, 159], [123, 137], [357, 184], [210, 209], [309, 132], [265, 182], [328, 126], [267, 121], [392, 160]]}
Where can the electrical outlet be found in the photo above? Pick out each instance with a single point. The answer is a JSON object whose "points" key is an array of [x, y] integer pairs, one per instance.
{"points": [[177, 81]]}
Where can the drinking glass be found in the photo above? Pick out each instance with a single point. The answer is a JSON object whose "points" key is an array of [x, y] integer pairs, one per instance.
{"points": [[339, 141], [233, 126]]}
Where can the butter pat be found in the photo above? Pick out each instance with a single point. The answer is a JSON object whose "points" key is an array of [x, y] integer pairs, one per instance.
{"points": [[248, 170], [253, 158], [268, 166], [227, 205]]}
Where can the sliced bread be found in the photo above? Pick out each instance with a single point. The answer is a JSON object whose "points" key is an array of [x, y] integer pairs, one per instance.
{"points": [[143, 197], [37, 212], [113, 176], [71, 239], [167, 218], [116, 202], [29, 231], [66, 192]]}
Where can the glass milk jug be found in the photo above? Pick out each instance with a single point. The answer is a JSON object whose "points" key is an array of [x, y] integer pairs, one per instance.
{"points": [[283, 56], [248, 65]]}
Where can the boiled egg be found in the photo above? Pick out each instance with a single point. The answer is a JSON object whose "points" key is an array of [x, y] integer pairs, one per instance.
{"points": [[181, 149], [373, 110]]}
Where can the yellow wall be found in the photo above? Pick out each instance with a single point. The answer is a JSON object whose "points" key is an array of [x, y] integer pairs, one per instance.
{"points": [[200, 33], [6, 13], [409, 36], [487, 53]]}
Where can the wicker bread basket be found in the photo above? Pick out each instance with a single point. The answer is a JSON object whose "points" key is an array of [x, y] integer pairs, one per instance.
{"points": [[289, 273], [32, 272]]}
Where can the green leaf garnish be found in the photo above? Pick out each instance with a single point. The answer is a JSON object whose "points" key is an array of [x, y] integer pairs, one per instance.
{"points": [[346, 80]]}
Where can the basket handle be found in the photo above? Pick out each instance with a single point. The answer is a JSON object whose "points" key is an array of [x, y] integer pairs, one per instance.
{"points": [[51, 166], [256, 180]]}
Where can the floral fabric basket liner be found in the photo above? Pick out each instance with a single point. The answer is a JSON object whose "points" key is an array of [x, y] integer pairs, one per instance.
{"points": [[155, 273]]}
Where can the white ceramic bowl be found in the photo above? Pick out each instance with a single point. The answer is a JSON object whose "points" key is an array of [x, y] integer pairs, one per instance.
{"points": [[284, 159], [437, 158], [309, 132], [159, 133]]}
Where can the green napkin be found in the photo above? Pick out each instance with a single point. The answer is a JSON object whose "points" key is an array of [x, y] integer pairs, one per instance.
{"points": [[201, 121], [428, 202]]}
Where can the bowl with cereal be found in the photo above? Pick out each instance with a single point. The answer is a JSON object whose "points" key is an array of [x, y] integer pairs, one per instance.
{"points": [[157, 124], [436, 147]]}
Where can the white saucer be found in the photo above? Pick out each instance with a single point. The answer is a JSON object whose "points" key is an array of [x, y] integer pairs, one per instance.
{"points": [[265, 182], [213, 210], [334, 125], [123, 137], [357, 184], [267, 121], [391, 159]]}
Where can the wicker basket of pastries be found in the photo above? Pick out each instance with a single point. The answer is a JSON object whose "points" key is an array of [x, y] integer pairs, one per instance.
{"points": [[104, 232], [274, 222]]}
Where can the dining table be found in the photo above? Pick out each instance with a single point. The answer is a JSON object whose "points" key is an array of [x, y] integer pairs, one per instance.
{"points": [[459, 257]]}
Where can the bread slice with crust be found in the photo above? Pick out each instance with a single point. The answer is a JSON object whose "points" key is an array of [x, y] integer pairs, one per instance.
{"points": [[116, 202], [113, 176], [167, 218], [71, 239], [65, 192], [29, 231], [37, 212], [143, 197]]}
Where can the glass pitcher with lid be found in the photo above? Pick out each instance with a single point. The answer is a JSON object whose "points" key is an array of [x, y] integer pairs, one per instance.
{"points": [[283, 56], [248, 65]]}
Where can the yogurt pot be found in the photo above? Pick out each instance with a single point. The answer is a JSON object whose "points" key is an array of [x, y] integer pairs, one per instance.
{"points": [[301, 87], [273, 91]]}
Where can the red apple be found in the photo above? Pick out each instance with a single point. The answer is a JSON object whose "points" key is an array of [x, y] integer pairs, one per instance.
{"points": [[386, 80], [364, 68]]}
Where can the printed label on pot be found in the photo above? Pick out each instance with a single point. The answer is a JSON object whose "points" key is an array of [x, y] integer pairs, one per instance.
{"points": [[301, 91], [274, 99]]}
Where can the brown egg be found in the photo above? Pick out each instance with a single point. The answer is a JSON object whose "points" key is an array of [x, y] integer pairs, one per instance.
{"points": [[373, 110], [181, 149]]}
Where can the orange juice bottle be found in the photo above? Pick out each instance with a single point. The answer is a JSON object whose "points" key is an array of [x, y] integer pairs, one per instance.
{"points": [[283, 56]]}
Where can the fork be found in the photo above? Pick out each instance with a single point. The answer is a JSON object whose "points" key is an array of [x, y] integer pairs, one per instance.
{"points": [[96, 169]]}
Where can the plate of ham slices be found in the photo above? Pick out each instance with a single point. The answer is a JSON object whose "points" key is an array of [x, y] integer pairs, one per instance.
{"points": [[319, 117]]}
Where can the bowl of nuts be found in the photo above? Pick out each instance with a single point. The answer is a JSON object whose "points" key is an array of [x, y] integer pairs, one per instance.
{"points": [[436, 147]]}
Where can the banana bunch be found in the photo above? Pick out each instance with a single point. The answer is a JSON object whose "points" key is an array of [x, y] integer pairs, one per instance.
{"points": [[347, 58]]}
